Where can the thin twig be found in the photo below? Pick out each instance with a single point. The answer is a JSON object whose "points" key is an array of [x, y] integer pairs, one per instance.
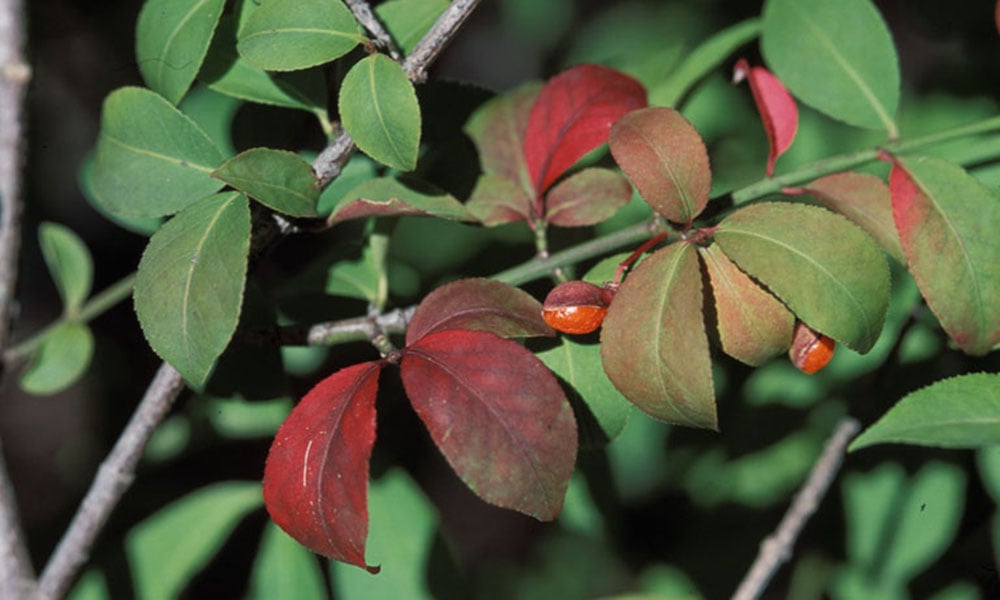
{"points": [[777, 547], [16, 573], [113, 478], [332, 159], [364, 15]]}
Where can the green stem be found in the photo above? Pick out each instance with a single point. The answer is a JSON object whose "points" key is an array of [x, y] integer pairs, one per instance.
{"points": [[844, 162], [96, 306]]}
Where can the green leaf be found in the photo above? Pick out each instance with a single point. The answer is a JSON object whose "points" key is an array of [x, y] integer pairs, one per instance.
{"points": [[69, 263], [379, 110], [826, 269], [214, 113], [927, 520], [988, 459], [947, 222], [391, 196], [870, 503], [836, 56], [864, 199], [286, 35], [144, 226], [91, 586], [189, 288], [408, 20], [961, 412], [171, 39], [227, 73], [151, 160], [653, 341], [278, 179], [359, 278], [699, 62], [401, 533], [284, 568], [579, 365], [60, 360], [166, 550]]}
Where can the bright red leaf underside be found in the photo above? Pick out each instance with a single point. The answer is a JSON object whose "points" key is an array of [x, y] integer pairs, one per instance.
{"points": [[316, 477], [777, 109], [498, 415], [573, 114]]}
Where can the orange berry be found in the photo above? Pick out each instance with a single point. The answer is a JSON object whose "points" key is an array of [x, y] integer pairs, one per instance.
{"points": [[576, 307], [810, 350]]}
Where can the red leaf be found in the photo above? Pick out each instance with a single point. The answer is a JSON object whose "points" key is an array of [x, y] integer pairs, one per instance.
{"points": [[498, 415], [573, 115], [481, 304], [776, 107], [497, 128], [663, 155], [316, 476]]}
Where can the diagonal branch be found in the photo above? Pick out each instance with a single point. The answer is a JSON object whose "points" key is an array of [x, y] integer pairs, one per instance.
{"points": [[363, 14], [118, 470], [777, 547], [16, 573]]}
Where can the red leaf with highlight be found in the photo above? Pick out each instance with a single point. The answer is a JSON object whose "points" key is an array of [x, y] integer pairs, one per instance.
{"points": [[481, 304], [316, 476], [776, 107], [573, 115], [498, 415]]}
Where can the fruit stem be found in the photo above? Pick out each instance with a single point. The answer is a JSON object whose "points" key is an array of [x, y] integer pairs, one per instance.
{"points": [[625, 264]]}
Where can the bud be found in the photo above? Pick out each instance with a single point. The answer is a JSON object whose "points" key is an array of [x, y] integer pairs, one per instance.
{"points": [[576, 307]]}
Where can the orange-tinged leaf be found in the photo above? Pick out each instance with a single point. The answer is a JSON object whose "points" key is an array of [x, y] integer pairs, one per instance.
{"points": [[498, 415], [754, 326], [776, 107], [316, 476], [948, 222], [653, 342], [864, 199], [663, 155]]}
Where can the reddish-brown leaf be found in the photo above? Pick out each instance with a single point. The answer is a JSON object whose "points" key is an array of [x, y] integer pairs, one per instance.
{"points": [[663, 155], [481, 304], [948, 222], [497, 200], [753, 325], [316, 476], [497, 128], [864, 199], [586, 198], [573, 115], [498, 415], [776, 107]]}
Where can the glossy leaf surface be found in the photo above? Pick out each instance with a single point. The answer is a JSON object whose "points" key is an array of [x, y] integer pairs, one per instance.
{"points": [[316, 476], [69, 263], [286, 35], [835, 55], [754, 326], [163, 553], [171, 40], [777, 109], [579, 365], [391, 196], [960, 412], [226, 72], [865, 200], [653, 342], [586, 198], [278, 179], [947, 223], [60, 360], [481, 304], [379, 109], [826, 269], [572, 115], [498, 416], [663, 155], [151, 160], [189, 288]]}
